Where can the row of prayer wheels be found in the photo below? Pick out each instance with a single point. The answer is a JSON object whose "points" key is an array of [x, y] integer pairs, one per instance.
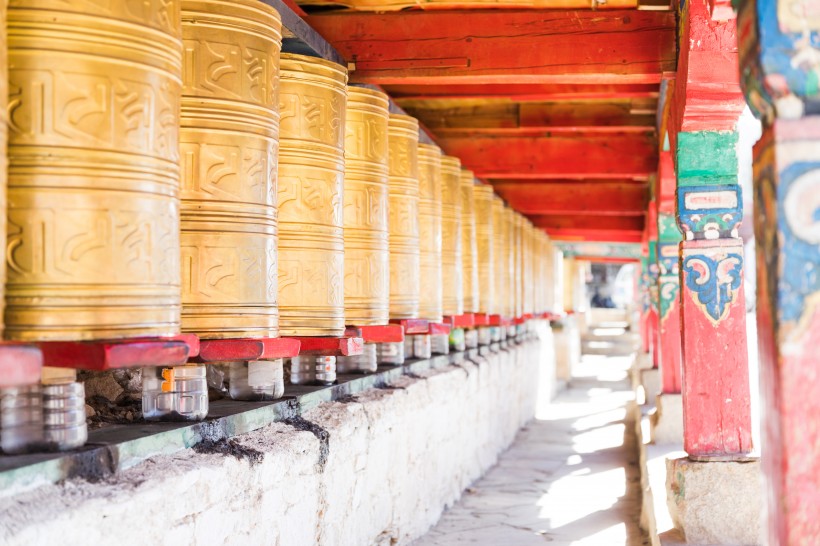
{"points": [[170, 170]]}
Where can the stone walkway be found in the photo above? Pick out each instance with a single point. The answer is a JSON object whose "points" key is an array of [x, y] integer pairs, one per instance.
{"points": [[571, 477]]}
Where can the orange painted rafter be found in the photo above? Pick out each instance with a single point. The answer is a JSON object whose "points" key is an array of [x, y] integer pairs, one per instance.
{"points": [[526, 92], [518, 46], [604, 198], [597, 222], [556, 156], [591, 235], [452, 117]]}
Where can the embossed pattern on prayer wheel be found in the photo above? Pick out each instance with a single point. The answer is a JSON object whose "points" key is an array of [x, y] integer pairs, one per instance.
{"points": [[469, 245], [93, 200], [4, 95], [451, 260], [517, 223], [483, 196], [430, 298], [228, 141], [405, 265], [509, 257], [312, 95], [499, 257], [367, 262]]}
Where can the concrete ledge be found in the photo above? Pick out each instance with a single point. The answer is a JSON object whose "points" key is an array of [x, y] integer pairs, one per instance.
{"points": [[376, 467], [667, 419], [651, 383]]}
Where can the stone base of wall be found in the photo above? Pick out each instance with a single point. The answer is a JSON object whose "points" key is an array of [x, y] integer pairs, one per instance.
{"points": [[378, 468]]}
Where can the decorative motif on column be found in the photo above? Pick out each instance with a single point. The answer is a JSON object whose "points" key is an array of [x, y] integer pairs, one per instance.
{"points": [[714, 274], [668, 279]]}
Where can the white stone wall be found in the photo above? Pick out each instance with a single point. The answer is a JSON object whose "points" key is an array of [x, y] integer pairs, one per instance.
{"points": [[394, 460]]}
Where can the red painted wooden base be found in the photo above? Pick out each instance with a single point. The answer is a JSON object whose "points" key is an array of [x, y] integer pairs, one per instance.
{"points": [[330, 346], [20, 365], [388, 333], [231, 350], [467, 320], [121, 353], [437, 328], [413, 326]]}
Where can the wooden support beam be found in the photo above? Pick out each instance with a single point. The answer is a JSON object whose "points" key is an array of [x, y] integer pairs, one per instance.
{"points": [[524, 92], [456, 117], [586, 222], [593, 235], [558, 156], [589, 198], [511, 46]]}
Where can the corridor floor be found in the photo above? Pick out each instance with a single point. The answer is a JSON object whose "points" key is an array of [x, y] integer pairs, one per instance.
{"points": [[570, 477]]}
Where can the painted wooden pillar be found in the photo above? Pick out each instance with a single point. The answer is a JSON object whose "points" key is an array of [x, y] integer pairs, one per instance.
{"points": [[669, 237], [653, 288], [780, 73], [716, 400]]}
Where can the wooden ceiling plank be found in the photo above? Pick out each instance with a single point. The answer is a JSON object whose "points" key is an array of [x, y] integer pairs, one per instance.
{"points": [[558, 156], [522, 46], [606, 198]]}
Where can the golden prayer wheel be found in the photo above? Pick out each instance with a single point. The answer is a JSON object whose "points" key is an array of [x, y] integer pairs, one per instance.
{"points": [[312, 95], [93, 186], [228, 141], [518, 267], [483, 197], [451, 260], [367, 261], [510, 304], [405, 265], [469, 245], [430, 299], [500, 269], [4, 95], [528, 286]]}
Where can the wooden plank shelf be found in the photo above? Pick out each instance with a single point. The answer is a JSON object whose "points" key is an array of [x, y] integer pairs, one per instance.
{"points": [[413, 326], [120, 353], [387, 333], [330, 346], [227, 350]]}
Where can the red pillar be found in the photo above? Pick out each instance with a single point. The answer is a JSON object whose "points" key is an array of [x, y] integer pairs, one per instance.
{"points": [[781, 91], [707, 104]]}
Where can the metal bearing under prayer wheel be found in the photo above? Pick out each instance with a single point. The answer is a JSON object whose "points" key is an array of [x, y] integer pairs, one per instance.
{"points": [[469, 245], [403, 138], [500, 264], [312, 96], [367, 262], [430, 299], [451, 261], [228, 141], [483, 197], [93, 196]]}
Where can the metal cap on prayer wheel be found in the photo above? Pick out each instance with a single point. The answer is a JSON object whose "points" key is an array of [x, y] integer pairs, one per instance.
{"points": [[469, 245], [367, 261], [405, 267], [483, 196], [499, 257], [312, 95], [451, 260], [93, 198], [228, 140], [430, 299]]}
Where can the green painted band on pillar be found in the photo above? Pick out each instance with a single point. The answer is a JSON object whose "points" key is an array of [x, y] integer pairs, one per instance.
{"points": [[707, 158]]}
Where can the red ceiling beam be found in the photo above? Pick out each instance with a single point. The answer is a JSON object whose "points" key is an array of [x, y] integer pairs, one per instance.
{"points": [[598, 236], [534, 118], [606, 198], [526, 92], [631, 155], [614, 223], [513, 46]]}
